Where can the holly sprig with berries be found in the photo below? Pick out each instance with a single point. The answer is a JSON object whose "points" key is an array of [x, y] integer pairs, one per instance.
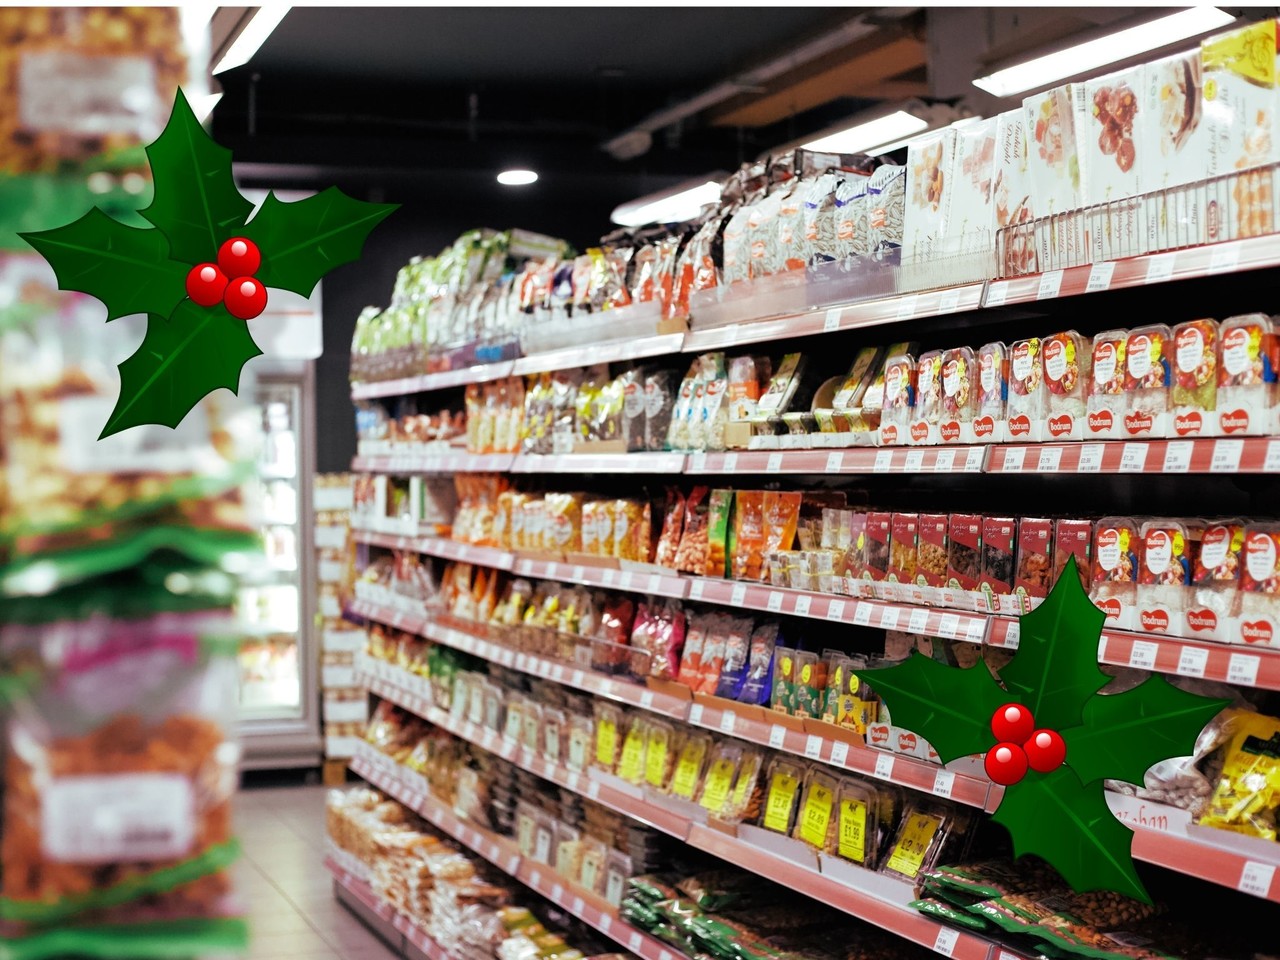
{"points": [[1050, 738], [201, 270]]}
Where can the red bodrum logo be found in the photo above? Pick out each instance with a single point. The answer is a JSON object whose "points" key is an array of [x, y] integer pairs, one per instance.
{"points": [[1138, 422], [984, 427], [1060, 425], [889, 434], [1199, 620], [950, 431], [1187, 424], [1155, 621], [1100, 420], [1259, 632], [1110, 606], [906, 742], [1019, 425], [919, 431], [1234, 421], [879, 734]]}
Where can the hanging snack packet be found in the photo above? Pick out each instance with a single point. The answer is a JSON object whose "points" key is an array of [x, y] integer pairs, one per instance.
{"points": [[722, 771], [782, 697], [690, 765], [608, 736], [1115, 571], [713, 654], [1215, 603], [919, 840], [857, 824], [737, 652], [659, 407], [818, 821], [927, 413], [720, 518], [694, 643], [1148, 374], [691, 555], [672, 527]]}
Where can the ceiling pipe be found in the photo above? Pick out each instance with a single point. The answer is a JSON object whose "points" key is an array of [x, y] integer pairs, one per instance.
{"points": [[638, 139]]}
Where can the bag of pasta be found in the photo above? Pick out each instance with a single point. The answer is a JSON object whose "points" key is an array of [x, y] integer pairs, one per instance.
{"points": [[119, 773]]}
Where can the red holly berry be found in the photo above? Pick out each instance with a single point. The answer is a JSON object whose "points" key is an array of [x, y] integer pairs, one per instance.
{"points": [[1006, 763], [239, 257], [246, 298], [206, 284], [1012, 723], [1045, 750]]}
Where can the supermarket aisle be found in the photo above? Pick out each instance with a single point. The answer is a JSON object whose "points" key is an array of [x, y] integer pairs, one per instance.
{"points": [[293, 914]]}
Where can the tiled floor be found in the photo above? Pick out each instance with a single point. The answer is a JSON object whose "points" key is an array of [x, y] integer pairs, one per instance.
{"points": [[292, 911]]}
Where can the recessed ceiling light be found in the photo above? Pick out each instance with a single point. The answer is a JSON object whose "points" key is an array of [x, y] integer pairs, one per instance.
{"points": [[517, 178]]}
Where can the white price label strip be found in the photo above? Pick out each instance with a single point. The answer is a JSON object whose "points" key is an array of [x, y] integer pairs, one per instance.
{"points": [[1143, 655], [1050, 460], [907, 307], [1256, 878], [835, 462], [1160, 267], [646, 700], [835, 610], [774, 463], [884, 461], [777, 736], [1193, 661], [739, 594], [943, 781], [813, 747], [1013, 459], [775, 602], [606, 922], [1225, 257], [1226, 456], [695, 590], [997, 293], [946, 942], [975, 630], [832, 320], [945, 461], [918, 621], [635, 941], [915, 460], [889, 618], [695, 713], [578, 906], [974, 459], [698, 463], [728, 720], [1050, 285], [802, 605], [1272, 462], [839, 753], [949, 626], [1243, 668], [949, 302], [730, 462], [1177, 456], [862, 614], [1134, 458], [1090, 458], [884, 766], [1100, 275]]}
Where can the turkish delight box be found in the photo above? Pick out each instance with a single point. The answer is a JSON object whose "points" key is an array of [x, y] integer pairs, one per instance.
{"points": [[1055, 165], [1111, 139], [930, 186], [1014, 196], [1175, 151], [971, 224]]}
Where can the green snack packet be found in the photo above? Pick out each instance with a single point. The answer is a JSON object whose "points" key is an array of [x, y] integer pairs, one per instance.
{"points": [[948, 913], [720, 536], [158, 940], [783, 697]]}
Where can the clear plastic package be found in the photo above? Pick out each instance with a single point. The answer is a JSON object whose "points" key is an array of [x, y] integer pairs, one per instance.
{"points": [[1247, 376], [690, 766], [817, 818], [1215, 583], [961, 393], [1107, 403], [857, 824], [1148, 375], [722, 770], [1164, 574], [1116, 542], [927, 413], [1067, 360], [608, 736], [899, 400], [1027, 400], [989, 423], [1259, 623], [1195, 379]]}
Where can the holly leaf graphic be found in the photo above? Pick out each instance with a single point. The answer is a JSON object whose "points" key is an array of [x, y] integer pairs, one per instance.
{"points": [[948, 706], [181, 360], [196, 204], [304, 240], [1069, 824], [1056, 667], [127, 268], [1125, 734]]}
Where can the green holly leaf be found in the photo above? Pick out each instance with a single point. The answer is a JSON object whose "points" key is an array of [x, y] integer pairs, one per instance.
{"points": [[181, 360], [127, 268], [196, 205], [949, 707], [1056, 667], [304, 240], [1125, 734], [1069, 824]]}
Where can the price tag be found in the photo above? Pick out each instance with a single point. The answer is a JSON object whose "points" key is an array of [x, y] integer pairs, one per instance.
{"points": [[655, 583], [593, 790], [884, 766], [513, 864], [884, 461], [635, 942], [1100, 275], [695, 590], [578, 906], [835, 610], [997, 293], [974, 460], [1224, 258], [1014, 458], [813, 747], [918, 620], [943, 781], [862, 614], [557, 893], [1177, 456], [1160, 268], [1226, 456], [950, 301], [730, 462], [695, 713], [535, 878], [606, 923], [553, 569], [949, 626], [835, 462], [698, 463], [1050, 285], [802, 605], [739, 595], [609, 577], [1090, 458], [577, 678], [624, 581], [832, 320], [889, 618], [1134, 458], [775, 601], [1013, 635], [907, 307], [915, 460], [728, 720], [777, 736], [557, 673], [1143, 655], [1256, 878], [975, 630], [945, 462], [646, 700], [1192, 662], [1050, 460], [774, 463], [946, 942], [1243, 668], [839, 752]]}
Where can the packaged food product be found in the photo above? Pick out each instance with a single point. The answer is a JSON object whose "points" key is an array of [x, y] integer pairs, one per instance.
{"points": [[850, 703], [782, 697], [819, 219], [782, 796], [1116, 542], [633, 410], [1195, 379], [1035, 560], [1148, 374], [1260, 586], [744, 388], [919, 840], [691, 555], [690, 766], [1214, 605], [564, 523], [694, 642], [1027, 400], [608, 736], [990, 414], [713, 654], [749, 535], [1073, 538], [631, 759], [776, 399], [1247, 370], [1114, 138], [899, 400], [930, 160], [866, 363], [1108, 402], [581, 741], [1013, 196], [737, 652], [818, 817], [902, 545], [960, 393], [928, 410], [1054, 164], [722, 771], [758, 683], [746, 802], [722, 528], [857, 824], [1172, 100], [810, 687], [964, 552], [886, 209], [659, 404], [1247, 794], [672, 528], [711, 413], [1164, 573], [1066, 377], [873, 551], [999, 542], [931, 557]]}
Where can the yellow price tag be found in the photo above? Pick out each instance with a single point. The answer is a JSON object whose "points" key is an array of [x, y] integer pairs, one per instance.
{"points": [[719, 782], [815, 818], [631, 768], [655, 760], [782, 798], [917, 835], [853, 831], [685, 781], [606, 743]]}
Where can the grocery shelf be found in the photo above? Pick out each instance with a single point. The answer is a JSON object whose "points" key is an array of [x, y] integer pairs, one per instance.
{"points": [[1205, 455], [438, 547], [857, 460], [579, 463], [593, 353], [424, 382], [664, 584], [461, 462], [398, 930]]}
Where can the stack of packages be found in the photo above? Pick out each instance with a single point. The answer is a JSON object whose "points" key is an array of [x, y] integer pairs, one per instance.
{"points": [[117, 644]]}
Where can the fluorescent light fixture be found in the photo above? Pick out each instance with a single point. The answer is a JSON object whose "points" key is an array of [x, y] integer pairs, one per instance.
{"points": [[252, 36], [203, 106], [681, 202], [1087, 56], [517, 178], [867, 136]]}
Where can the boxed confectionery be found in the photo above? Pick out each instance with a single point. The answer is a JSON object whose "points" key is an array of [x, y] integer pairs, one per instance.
{"points": [[1051, 119], [926, 416], [1025, 410], [1247, 376], [1067, 359], [1258, 623], [1106, 402], [931, 185], [972, 220], [1014, 196], [1117, 544], [1175, 151], [1194, 392], [1111, 139], [1165, 571]]}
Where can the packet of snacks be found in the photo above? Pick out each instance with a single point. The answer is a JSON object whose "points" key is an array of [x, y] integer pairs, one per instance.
{"points": [[1247, 375], [993, 393], [1165, 571], [1116, 545], [899, 400], [1107, 399], [1195, 379], [1147, 379], [927, 414], [1215, 601], [1259, 624], [1066, 378], [1027, 402], [960, 394], [60, 486]]}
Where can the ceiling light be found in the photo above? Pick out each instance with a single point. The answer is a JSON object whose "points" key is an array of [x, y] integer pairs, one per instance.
{"points": [[252, 36], [517, 178], [1121, 45], [203, 106], [864, 137], [682, 202]]}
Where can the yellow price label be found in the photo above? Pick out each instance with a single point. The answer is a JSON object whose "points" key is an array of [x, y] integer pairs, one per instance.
{"points": [[782, 798], [852, 842], [655, 761], [815, 818], [606, 743], [719, 782], [685, 781], [917, 835], [631, 768]]}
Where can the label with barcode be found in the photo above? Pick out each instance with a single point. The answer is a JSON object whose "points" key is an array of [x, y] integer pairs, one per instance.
{"points": [[739, 594], [813, 747], [646, 700], [557, 893], [1226, 456], [907, 307], [1243, 668], [975, 630], [1014, 458], [835, 610], [553, 568], [1177, 456], [695, 713], [635, 942], [889, 618], [914, 461], [974, 459], [624, 581], [578, 906], [1050, 460], [774, 463], [835, 462], [949, 626], [918, 621], [1256, 878], [943, 781], [606, 922], [1100, 275], [832, 320], [698, 463], [1192, 661], [884, 766], [1013, 634], [839, 752], [775, 602], [98, 819], [695, 590], [1090, 458], [1143, 655], [777, 736], [1050, 285], [862, 614], [803, 602], [997, 293], [946, 942], [1133, 459], [609, 576], [1160, 267], [730, 462], [1224, 258], [949, 302], [1272, 462], [945, 461], [728, 720], [884, 461]]}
